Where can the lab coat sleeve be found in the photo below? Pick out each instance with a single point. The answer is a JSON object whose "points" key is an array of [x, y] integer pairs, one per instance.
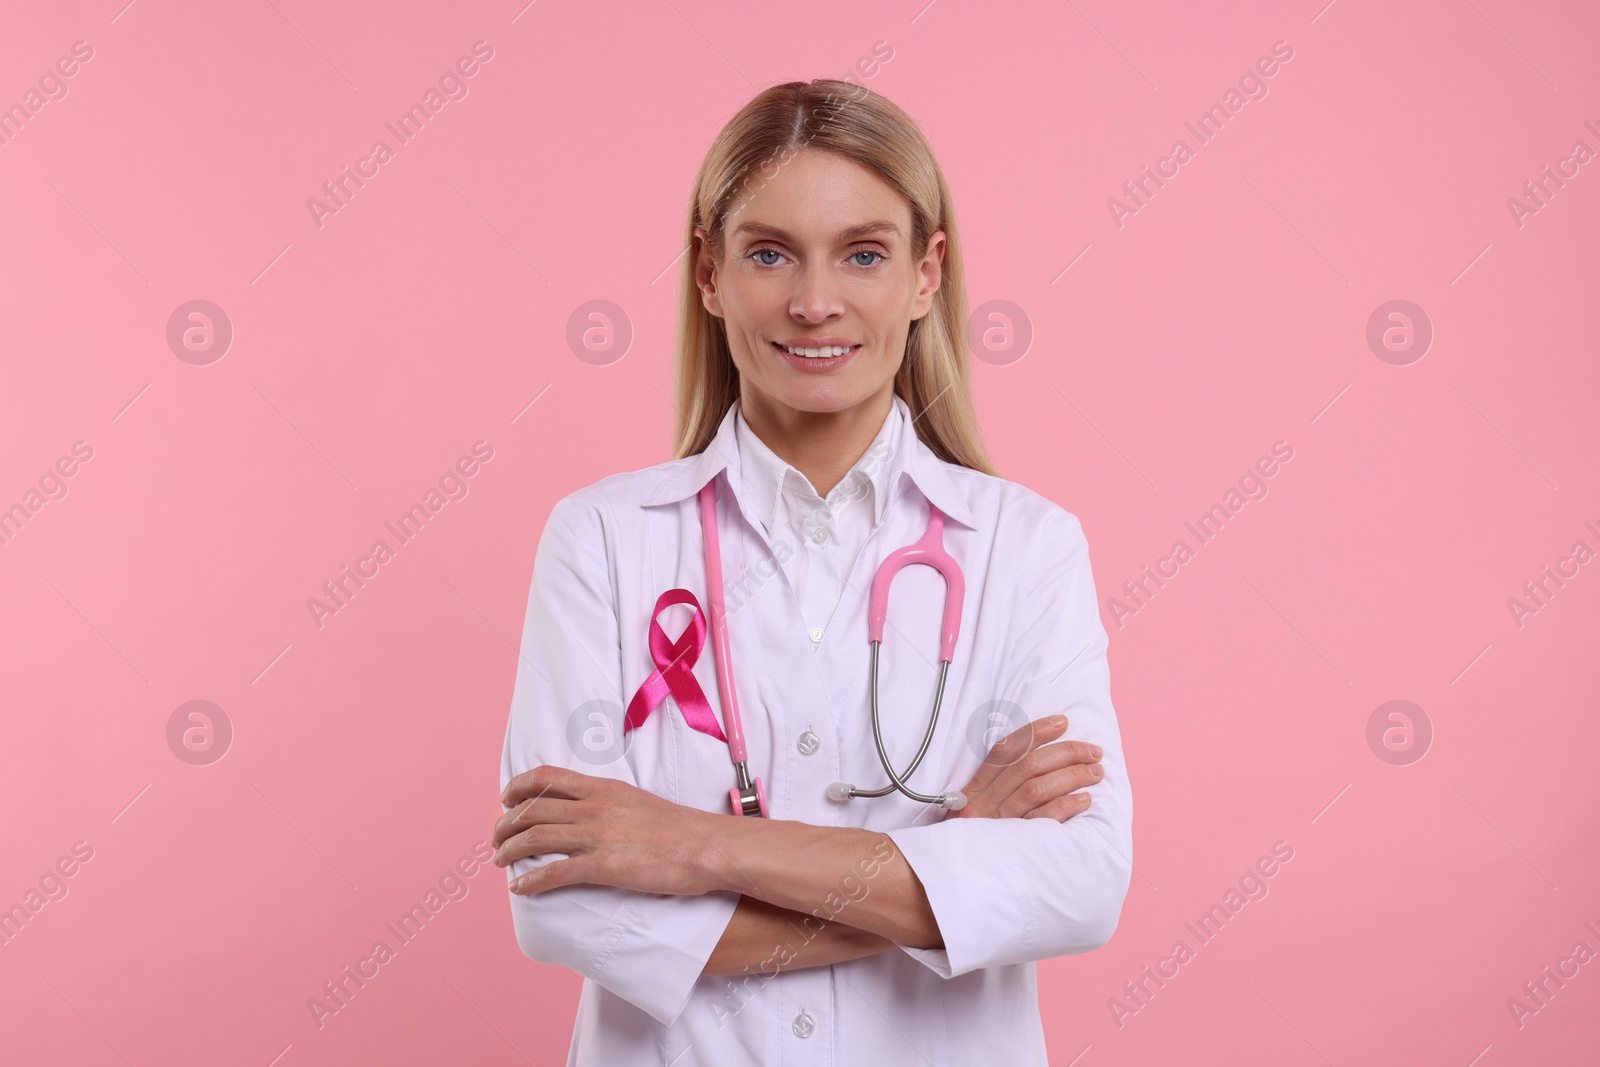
{"points": [[1012, 890], [647, 948]]}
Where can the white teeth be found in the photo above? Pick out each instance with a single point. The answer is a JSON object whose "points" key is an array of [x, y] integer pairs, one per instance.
{"points": [[825, 352]]}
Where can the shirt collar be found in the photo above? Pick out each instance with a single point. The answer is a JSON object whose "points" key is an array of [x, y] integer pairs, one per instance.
{"points": [[911, 461], [766, 474]]}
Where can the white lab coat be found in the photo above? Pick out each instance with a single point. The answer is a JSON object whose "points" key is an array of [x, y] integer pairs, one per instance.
{"points": [[1004, 892]]}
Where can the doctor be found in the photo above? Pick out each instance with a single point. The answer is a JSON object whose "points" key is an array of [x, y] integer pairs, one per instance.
{"points": [[822, 386]]}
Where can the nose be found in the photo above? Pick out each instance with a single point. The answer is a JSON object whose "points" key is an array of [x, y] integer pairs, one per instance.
{"points": [[816, 297]]}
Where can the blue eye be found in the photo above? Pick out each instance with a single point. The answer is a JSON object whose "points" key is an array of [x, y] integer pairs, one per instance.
{"points": [[869, 252], [767, 252]]}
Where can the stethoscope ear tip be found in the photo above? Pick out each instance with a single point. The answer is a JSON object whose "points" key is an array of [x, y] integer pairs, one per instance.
{"points": [[839, 792], [955, 800]]}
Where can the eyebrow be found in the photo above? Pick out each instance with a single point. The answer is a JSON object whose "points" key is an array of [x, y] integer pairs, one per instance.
{"points": [[853, 233]]}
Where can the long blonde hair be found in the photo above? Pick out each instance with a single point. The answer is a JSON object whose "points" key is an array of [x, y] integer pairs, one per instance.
{"points": [[858, 124]]}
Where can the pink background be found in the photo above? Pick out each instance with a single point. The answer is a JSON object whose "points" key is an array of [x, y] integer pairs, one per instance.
{"points": [[369, 354]]}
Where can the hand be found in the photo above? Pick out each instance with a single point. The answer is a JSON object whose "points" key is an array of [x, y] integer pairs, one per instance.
{"points": [[613, 833], [1024, 777]]}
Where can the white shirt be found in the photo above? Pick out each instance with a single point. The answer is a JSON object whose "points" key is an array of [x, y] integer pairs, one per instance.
{"points": [[1005, 892], [817, 540]]}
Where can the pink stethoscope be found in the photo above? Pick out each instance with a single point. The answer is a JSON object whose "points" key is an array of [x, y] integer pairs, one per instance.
{"points": [[674, 661]]}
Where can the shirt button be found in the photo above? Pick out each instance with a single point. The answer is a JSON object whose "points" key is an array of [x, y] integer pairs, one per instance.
{"points": [[809, 743], [816, 633], [821, 535], [804, 1025]]}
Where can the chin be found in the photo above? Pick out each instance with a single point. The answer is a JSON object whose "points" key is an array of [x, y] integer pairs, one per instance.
{"points": [[827, 399]]}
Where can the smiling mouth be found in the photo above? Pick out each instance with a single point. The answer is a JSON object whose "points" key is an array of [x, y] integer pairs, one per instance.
{"points": [[820, 352]]}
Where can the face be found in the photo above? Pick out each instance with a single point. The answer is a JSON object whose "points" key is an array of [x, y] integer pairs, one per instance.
{"points": [[819, 258]]}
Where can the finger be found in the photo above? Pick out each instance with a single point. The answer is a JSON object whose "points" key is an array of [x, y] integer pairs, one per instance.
{"points": [[534, 810], [550, 876], [547, 778], [1041, 761], [541, 840], [1014, 746], [1062, 808], [1044, 788]]}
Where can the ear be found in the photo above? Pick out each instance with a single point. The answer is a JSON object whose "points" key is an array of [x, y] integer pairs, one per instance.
{"points": [[705, 272], [931, 272]]}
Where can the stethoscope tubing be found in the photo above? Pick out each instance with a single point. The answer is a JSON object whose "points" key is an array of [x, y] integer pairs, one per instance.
{"points": [[748, 797]]}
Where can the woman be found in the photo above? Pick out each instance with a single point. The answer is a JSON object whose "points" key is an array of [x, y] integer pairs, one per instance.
{"points": [[822, 387]]}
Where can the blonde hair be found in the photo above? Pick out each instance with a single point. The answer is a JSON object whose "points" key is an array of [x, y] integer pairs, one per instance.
{"points": [[858, 124]]}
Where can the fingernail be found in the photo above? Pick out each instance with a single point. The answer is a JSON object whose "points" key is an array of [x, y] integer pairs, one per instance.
{"points": [[1058, 720], [516, 884], [1097, 770], [1094, 750]]}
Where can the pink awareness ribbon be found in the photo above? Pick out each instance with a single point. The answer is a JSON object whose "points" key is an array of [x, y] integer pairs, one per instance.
{"points": [[674, 671]]}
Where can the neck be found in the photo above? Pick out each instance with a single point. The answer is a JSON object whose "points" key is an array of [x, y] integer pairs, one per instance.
{"points": [[822, 445]]}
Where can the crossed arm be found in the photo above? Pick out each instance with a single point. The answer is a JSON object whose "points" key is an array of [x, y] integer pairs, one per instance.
{"points": [[1036, 883], [795, 879]]}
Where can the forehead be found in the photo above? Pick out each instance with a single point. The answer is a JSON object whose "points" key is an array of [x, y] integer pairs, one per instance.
{"points": [[816, 196]]}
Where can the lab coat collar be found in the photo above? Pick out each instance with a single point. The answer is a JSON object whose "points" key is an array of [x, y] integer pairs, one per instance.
{"points": [[913, 461], [765, 473]]}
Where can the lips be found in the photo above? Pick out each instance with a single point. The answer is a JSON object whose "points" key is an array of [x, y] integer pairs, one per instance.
{"points": [[817, 350], [817, 364]]}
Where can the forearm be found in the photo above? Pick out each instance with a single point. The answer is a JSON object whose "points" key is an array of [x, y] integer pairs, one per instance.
{"points": [[762, 936], [832, 873]]}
